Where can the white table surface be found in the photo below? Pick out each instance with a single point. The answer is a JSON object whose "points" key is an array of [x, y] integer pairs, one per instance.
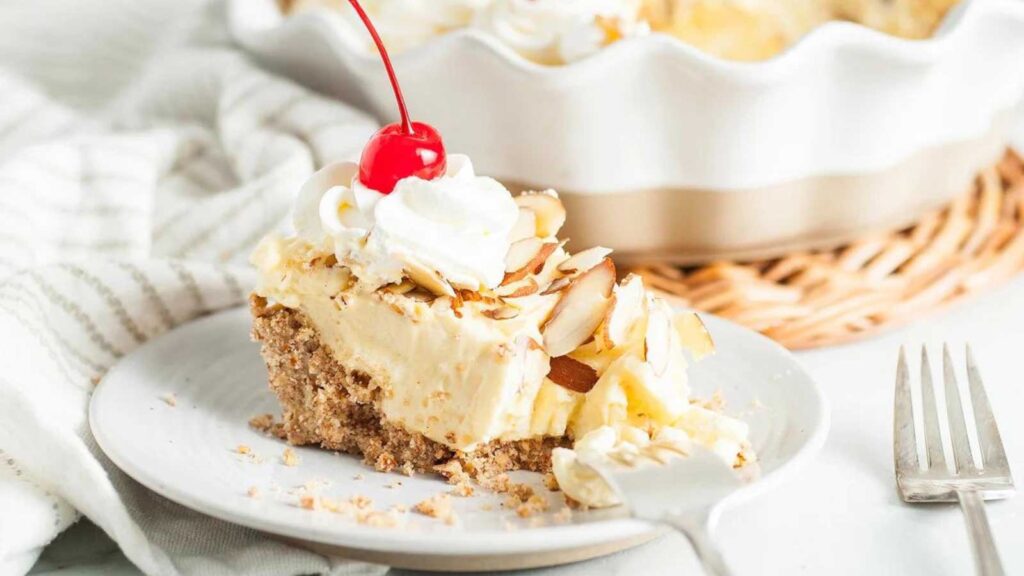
{"points": [[842, 515]]}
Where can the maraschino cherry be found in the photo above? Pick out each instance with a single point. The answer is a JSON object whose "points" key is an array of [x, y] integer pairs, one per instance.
{"points": [[401, 149]]}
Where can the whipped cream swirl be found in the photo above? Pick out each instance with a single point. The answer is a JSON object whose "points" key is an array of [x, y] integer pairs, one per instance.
{"points": [[403, 24], [456, 225], [560, 31]]}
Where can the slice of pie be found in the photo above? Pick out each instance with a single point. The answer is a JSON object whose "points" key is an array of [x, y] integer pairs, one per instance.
{"points": [[445, 322]]}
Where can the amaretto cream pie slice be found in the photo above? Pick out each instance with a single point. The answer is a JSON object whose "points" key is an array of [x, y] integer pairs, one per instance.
{"points": [[446, 322], [425, 319]]}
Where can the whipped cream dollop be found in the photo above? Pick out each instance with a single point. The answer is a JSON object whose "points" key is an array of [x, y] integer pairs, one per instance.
{"points": [[560, 31], [403, 24], [456, 225]]}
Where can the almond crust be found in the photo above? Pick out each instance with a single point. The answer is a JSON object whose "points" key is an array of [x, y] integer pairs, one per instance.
{"points": [[325, 404]]}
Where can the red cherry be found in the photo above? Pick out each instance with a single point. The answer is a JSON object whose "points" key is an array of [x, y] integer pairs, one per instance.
{"points": [[402, 149], [391, 155]]}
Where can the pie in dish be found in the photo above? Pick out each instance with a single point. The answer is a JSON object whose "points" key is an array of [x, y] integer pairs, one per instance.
{"points": [[445, 323], [563, 31]]}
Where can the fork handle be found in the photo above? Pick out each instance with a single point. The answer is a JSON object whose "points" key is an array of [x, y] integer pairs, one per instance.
{"points": [[697, 529], [986, 557]]}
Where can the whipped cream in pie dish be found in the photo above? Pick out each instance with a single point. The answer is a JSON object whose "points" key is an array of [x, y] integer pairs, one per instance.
{"points": [[452, 318]]}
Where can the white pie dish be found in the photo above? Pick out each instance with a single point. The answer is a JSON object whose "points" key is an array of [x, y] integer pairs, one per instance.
{"points": [[185, 452], [850, 129]]}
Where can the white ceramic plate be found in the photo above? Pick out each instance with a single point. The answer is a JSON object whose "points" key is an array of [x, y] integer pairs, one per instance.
{"points": [[186, 453]]}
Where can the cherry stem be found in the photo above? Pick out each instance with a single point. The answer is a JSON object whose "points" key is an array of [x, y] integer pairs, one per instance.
{"points": [[406, 123]]}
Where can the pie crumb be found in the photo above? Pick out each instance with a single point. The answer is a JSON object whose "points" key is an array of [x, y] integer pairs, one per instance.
{"points": [[170, 399], [253, 492], [550, 482], [289, 457], [408, 469], [243, 449], [464, 490], [308, 502], [438, 506]]}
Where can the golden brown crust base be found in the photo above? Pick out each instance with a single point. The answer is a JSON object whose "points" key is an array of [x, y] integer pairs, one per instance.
{"points": [[323, 403]]}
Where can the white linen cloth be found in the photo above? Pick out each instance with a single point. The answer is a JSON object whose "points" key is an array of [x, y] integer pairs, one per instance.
{"points": [[141, 157]]}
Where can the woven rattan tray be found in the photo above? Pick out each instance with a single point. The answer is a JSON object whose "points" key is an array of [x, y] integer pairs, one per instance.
{"points": [[811, 299]]}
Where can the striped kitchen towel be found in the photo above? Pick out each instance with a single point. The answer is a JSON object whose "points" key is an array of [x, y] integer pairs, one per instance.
{"points": [[141, 158]]}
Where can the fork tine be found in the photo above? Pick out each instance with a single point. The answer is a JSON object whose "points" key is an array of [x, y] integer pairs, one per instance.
{"points": [[991, 444], [904, 439], [932, 436], [955, 413]]}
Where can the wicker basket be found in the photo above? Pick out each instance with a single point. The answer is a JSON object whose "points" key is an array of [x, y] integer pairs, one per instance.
{"points": [[811, 299]]}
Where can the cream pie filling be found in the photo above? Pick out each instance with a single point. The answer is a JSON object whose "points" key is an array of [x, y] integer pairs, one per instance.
{"points": [[477, 325]]}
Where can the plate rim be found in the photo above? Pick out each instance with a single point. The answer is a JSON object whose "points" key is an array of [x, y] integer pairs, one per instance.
{"points": [[441, 543]]}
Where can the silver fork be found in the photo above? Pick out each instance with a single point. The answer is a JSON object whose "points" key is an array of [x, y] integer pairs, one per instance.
{"points": [[967, 481], [683, 493]]}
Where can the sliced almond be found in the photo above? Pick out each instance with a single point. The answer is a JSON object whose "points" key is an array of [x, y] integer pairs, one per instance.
{"points": [[429, 279], [626, 309], [526, 257], [521, 253], [501, 313], [694, 335], [525, 227], [583, 261], [549, 211], [572, 374], [658, 336], [524, 287], [557, 285], [580, 310]]}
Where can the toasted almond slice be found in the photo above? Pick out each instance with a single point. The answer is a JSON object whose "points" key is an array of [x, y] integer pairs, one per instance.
{"points": [[626, 309], [557, 285], [524, 287], [658, 336], [515, 267], [572, 374], [694, 335], [427, 278], [525, 227], [583, 261], [501, 313], [548, 209], [521, 254], [580, 310]]}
